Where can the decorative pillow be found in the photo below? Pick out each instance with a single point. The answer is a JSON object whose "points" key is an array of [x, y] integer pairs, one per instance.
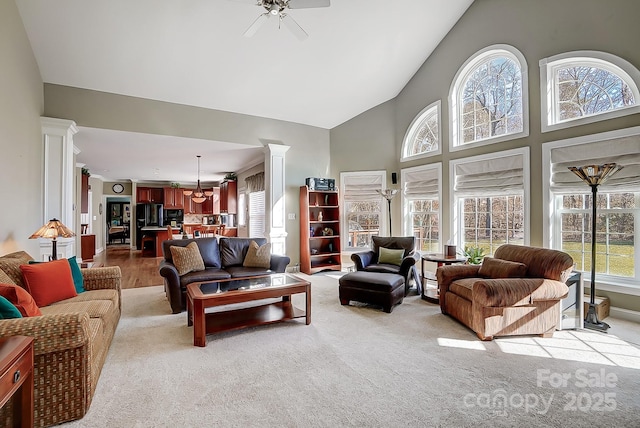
{"points": [[8, 310], [258, 256], [390, 257], [21, 299], [498, 268], [49, 282], [76, 274], [187, 259]]}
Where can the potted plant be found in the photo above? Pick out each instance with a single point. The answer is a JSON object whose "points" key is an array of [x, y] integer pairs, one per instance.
{"points": [[85, 171], [474, 255], [230, 176]]}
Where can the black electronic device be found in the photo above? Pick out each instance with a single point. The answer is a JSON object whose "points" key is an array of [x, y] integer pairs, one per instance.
{"points": [[320, 183]]}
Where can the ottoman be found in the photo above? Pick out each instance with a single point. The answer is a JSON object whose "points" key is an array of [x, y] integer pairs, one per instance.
{"points": [[384, 289]]}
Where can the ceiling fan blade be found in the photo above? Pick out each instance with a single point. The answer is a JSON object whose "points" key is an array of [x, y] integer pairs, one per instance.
{"points": [[306, 4], [256, 25], [293, 26], [254, 2]]}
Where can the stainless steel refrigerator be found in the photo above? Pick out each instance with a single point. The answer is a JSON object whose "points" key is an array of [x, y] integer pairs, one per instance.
{"points": [[147, 215]]}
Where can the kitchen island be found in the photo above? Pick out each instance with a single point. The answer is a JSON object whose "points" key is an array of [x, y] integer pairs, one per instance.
{"points": [[160, 234]]}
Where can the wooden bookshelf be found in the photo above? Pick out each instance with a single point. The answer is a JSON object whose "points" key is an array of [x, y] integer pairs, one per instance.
{"points": [[319, 231]]}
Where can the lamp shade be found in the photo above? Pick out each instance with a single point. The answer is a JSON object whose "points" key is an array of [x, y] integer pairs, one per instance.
{"points": [[388, 194], [53, 229], [595, 175]]}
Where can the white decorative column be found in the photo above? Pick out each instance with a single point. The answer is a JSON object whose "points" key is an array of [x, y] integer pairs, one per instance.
{"points": [[274, 165], [58, 185]]}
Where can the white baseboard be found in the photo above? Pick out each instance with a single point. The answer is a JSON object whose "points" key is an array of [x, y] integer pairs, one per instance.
{"points": [[625, 314]]}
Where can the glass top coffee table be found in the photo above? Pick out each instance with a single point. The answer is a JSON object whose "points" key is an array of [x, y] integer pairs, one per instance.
{"points": [[207, 294]]}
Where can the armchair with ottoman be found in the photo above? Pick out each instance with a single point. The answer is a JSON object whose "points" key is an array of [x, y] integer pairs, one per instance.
{"points": [[517, 292], [382, 274], [207, 259]]}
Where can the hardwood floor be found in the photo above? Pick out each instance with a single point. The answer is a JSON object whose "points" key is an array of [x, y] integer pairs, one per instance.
{"points": [[137, 271]]}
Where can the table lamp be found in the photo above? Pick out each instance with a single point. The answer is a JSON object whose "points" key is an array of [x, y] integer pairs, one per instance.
{"points": [[52, 230]]}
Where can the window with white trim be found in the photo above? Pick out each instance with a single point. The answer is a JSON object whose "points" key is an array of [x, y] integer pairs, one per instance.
{"points": [[421, 187], [617, 203], [491, 200], [362, 207], [257, 214], [488, 97], [586, 86], [423, 135]]}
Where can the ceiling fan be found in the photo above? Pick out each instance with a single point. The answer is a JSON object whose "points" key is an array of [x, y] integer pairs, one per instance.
{"points": [[277, 8]]}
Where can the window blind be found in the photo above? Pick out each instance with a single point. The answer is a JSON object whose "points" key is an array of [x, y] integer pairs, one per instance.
{"points": [[256, 214], [500, 175], [624, 151], [421, 184], [362, 187]]}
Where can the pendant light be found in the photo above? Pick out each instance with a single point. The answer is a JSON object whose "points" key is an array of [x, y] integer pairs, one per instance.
{"points": [[197, 196]]}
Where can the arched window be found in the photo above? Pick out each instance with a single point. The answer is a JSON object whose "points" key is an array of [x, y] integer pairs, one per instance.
{"points": [[586, 86], [423, 135], [489, 98]]}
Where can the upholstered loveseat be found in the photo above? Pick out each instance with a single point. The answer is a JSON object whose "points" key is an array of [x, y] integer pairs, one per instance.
{"points": [[71, 341], [517, 292], [222, 260]]}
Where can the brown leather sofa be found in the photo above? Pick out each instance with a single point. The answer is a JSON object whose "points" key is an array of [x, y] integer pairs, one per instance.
{"points": [[517, 292], [368, 260], [222, 260]]}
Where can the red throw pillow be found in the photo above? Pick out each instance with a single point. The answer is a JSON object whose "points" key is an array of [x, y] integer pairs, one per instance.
{"points": [[49, 282], [21, 299]]}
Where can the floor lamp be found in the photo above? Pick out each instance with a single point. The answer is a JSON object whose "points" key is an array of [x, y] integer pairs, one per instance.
{"points": [[594, 175], [388, 194]]}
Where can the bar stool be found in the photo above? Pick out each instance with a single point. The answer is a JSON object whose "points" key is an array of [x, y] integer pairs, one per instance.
{"points": [[151, 249]]}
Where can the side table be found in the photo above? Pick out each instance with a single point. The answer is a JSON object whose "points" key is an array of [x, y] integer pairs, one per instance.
{"points": [[432, 293], [16, 377]]}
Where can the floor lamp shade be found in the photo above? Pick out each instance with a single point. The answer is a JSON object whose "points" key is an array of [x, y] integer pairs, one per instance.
{"points": [[388, 194], [594, 175]]}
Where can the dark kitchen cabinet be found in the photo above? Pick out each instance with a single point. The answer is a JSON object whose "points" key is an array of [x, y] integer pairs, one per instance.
{"points": [[228, 197], [84, 194], [173, 198], [153, 195]]}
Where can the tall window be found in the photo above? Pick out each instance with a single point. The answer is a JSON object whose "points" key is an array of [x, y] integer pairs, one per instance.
{"points": [[423, 135], [256, 214], [255, 187], [491, 194], [489, 98], [618, 204], [586, 86], [362, 206], [421, 195]]}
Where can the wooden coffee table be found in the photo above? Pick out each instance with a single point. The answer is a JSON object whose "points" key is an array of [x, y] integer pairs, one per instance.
{"points": [[207, 294]]}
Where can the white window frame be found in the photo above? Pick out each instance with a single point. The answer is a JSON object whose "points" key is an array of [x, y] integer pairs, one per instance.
{"points": [[493, 51], [456, 200], [406, 214], [548, 86], [384, 217], [416, 124], [549, 205]]}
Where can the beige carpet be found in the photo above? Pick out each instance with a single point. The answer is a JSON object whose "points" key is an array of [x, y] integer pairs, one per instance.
{"points": [[356, 366]]}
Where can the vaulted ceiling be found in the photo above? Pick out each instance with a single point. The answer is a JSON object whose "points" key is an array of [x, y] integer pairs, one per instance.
{"points": [[359, 53]]}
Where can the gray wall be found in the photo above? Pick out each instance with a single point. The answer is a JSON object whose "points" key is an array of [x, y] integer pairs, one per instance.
{"points": [[21, 105], [538, 29], [308, 155]]}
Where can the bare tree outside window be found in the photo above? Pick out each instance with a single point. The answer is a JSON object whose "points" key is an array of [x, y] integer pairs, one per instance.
{"points": [[588, 90], [491, 100], [426, 138]]}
